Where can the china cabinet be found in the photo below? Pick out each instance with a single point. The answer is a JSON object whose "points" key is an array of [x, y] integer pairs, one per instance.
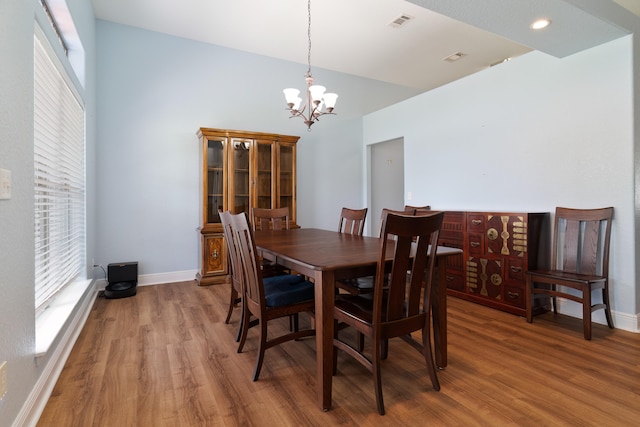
{"points": [[240, 170]]}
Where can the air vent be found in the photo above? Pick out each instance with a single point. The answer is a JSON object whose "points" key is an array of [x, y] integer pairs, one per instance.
{"points": [[454, 57], [400, 21]]}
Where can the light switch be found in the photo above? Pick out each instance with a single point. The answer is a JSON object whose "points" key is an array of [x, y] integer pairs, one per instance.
{"points": [[5, 184]]}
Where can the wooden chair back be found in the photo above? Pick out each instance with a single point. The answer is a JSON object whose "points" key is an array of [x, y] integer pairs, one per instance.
{"points": [[234, 262], [352, 221], [416, 209], [236, 289], [274, 219], [581, 240], [249, 262], [416, 239]]}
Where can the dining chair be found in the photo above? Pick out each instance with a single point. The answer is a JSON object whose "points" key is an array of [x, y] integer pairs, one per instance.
{"points": [[267, 299], [274, 219], [409, 208], [398, 307], [363, 285], [271, 219], [236, 270], [352, 221], [579, 261]]}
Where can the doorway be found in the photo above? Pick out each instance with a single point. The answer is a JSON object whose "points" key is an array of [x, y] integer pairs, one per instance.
{"points": [[386, 180]]}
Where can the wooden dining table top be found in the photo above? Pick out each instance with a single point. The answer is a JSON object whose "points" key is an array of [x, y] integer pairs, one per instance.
{"points": [[327, 250]]}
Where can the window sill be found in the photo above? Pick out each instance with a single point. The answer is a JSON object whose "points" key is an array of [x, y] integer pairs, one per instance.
{"points": [[51, 321]]}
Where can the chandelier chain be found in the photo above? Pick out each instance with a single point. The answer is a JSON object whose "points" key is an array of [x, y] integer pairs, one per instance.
{"points": [[309, 37]]}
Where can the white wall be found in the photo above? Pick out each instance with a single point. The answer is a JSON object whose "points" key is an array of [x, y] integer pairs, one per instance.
{"points": [[155, 92], [529, 135]]}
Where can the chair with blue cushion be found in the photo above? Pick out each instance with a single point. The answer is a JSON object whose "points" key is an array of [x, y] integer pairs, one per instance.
{"points": [[268, 298]]}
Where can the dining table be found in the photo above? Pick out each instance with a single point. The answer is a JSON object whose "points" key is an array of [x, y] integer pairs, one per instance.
{"points": [[326, 256]]}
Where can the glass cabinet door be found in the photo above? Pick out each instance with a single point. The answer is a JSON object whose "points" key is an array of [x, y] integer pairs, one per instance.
{"points": [[264, 177], [241, 149], [287, 177], [215, 180]]}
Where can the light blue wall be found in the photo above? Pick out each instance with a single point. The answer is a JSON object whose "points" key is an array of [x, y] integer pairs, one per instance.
{"points": [[157, 90], [17, 317], [17, 313], [529, 135]]}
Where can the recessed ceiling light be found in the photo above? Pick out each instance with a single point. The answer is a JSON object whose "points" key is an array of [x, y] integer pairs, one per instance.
{"points": [[500, 62], [540, 24]]}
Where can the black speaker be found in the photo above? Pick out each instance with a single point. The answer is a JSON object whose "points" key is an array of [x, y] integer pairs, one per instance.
{"points": [[122, 280]]}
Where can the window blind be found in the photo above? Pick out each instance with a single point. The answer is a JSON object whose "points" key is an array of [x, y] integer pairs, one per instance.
{"points": [[59, 163]]}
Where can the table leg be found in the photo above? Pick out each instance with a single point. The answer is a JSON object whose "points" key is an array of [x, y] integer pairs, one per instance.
{"points": [[439, 313], [324, 295]]}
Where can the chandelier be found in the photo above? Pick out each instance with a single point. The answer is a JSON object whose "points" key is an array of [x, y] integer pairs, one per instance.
{"points": [[317, 99]]}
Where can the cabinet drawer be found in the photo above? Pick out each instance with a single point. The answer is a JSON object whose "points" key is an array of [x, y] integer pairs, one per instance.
{"points": [[515, 270], [476, 222], [476, 244], [514, 295]]}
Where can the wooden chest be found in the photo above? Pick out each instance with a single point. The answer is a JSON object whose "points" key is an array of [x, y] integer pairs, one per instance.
{"points": [[498, 248]]}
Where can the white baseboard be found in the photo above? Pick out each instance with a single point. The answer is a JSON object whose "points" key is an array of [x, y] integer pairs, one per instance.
{"points": [[624, 321], [170, 277], [159, 278]]}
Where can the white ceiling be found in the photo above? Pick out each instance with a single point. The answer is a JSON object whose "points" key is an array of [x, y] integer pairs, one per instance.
{"points": [[354, 36]]}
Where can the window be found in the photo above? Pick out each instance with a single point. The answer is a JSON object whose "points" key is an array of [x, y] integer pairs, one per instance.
{"points": [[59, 160]]}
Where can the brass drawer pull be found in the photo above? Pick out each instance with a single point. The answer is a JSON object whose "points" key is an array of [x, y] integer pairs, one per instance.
{"points": [[516, 269], [474, 244], [476, 221], [513, 295], [214, 254]]}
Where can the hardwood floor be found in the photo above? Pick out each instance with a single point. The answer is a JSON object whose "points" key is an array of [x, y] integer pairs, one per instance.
{"points": [[166, 358]]}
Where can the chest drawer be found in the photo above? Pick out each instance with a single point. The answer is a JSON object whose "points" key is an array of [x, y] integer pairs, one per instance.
{"points": [[476, 222]]}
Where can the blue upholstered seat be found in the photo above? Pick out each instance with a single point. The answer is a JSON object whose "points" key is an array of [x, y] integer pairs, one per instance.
{"points": [[286, 289]]}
